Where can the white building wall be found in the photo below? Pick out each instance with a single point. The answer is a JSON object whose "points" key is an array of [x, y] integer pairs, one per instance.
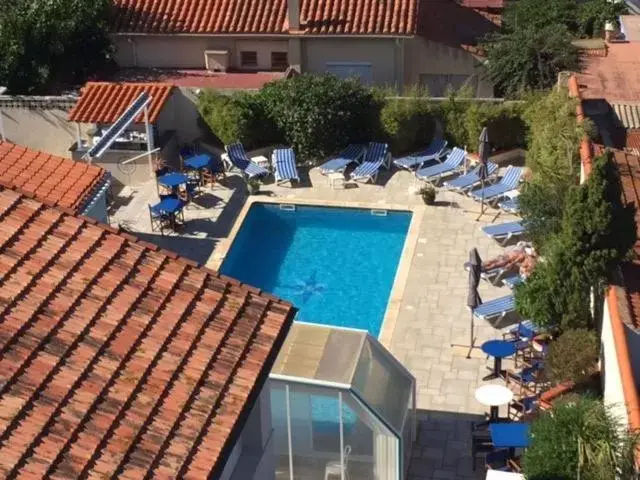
{"points": [[611, 379]]}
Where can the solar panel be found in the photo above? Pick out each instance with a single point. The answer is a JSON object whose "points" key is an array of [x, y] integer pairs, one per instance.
{"points": [[120, 125]]}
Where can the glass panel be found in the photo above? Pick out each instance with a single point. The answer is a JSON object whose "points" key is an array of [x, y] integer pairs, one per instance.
{"points": [[384, 386], [279, 424]]}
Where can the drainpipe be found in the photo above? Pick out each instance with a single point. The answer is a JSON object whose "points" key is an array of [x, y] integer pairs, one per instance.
{"points": [[400, 65], [2, 92], [134, 50]]}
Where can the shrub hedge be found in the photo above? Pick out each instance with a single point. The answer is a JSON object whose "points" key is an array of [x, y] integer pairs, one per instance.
{"points": [[319, 114]]}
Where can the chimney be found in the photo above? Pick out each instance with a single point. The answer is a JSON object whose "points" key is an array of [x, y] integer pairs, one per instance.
{"points": [[293, 12]]}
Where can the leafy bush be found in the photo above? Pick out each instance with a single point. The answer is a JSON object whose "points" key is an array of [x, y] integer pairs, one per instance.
{"points": [[320, 114], [596, 233], [579, 439], [594, 14], [240, 116], [572, 356], [504, 123], [408, 124]]}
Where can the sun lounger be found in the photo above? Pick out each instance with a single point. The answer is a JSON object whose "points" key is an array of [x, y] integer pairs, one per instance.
{"points": [[434, 173], [352, 154], [470, 180], [237, 157], [507, 183], [503, 232], [495, 309], [377, 156], [416, 160], [510, 205], [284, 165]]}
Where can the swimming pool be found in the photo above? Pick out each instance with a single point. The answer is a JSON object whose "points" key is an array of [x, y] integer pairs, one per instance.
{"points": [[337, 265]]}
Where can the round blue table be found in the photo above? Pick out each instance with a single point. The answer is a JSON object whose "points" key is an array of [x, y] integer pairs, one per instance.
{"points": [[498, 349], [172, 180], [198, 162]]}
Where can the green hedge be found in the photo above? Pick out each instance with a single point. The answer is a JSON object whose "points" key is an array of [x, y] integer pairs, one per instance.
{"points": [[319, 114]]}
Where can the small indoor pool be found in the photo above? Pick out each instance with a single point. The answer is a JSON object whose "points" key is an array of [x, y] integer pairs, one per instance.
{"points": [[336, 265]]}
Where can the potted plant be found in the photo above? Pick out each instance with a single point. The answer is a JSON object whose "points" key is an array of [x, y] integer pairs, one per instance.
{"points": [[428, 194], [253, 186]]}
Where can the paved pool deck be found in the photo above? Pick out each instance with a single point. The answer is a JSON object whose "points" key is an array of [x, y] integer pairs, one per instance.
{"points": [[431, 311]]}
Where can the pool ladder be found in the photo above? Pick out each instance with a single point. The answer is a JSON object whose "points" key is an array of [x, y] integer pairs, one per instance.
{"points": [[288, 207], [379, 212]]}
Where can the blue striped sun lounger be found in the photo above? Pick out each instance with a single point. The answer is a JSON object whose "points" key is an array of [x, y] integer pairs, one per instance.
{"points": [[495, 309], [416, 160], [239, 159], [469, 180], [434, 173], [377, 155], [507, 183], [503, 232], [284, 165], [352, 154]]}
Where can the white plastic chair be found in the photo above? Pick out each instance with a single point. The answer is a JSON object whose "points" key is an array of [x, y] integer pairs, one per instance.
{"points": [[336, 468]]}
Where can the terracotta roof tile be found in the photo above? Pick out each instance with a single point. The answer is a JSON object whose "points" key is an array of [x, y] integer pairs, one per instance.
{"points": [[51, 179], [104, 102], [117, 360], [265, 16]]}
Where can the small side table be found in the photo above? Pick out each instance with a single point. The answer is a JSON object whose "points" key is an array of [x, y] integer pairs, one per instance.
{"points": [[493, 396], [336, 179], [498, 349], [262, 161]]}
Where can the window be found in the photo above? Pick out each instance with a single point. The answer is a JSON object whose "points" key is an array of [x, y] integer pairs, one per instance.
{"points": [[279, 60], [248, 59]]}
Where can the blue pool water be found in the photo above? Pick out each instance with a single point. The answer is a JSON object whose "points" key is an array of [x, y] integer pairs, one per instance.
{"points": [[336, 265]]}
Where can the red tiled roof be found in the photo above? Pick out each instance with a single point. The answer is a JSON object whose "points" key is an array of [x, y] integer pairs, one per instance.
{"points": [[632, 139], [359, 17], [200, 78], [54, 180], [615, 77], [104, 102], [449, 23], [119, 359]]}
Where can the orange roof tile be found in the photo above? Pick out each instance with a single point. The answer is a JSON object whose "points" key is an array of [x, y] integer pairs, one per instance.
{"points": [[265, 16], [119, 359], [104, 102], [51, 179]]}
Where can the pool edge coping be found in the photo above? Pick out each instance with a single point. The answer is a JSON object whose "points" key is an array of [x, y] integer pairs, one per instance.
{"points": [[401, 277]]}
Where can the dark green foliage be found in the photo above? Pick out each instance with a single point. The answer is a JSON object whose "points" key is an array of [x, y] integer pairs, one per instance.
{"points": [[320, 114], [504, 122], [538, 14], [408, 124], [594, 14], [47, 45], [541, 207], [529, 58], [238, 117], [582, 439], [572, 356], [596, 233]]}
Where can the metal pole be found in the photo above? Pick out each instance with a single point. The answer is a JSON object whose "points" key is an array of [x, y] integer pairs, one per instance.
{"points": [[149, 133], [286, 394], [341, 436]]}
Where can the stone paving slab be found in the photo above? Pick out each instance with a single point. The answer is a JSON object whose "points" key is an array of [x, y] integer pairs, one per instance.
{"points": [[433, 312]]}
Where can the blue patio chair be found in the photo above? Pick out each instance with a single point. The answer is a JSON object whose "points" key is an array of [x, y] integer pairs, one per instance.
{"points": [[504, 232], [495, 309], [159, 219], [376, 157], [508, 182], [524, 329], [238, 158], [469, 180], [352, 154], [434, 173], [284, 166], [527, 378], [416, 160]]}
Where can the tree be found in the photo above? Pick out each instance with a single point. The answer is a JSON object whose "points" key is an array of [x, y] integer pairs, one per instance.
{"points": [[580, 438], [572, 357], [538, 14], [529, 58], [48, 45], [594, 15]]}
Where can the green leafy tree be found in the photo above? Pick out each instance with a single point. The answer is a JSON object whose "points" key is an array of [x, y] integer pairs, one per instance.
{"points": [[47, 45], [320, 114], [594, 14], [580, 438], [529, 58], [538, 14]]}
